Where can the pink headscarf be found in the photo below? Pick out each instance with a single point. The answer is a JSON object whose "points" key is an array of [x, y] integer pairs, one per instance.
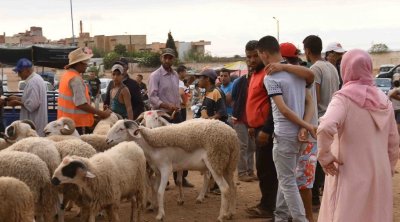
{"points": [[356, 69]]}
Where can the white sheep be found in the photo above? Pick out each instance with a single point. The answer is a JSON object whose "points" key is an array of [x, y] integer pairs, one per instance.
{"points": [[197, 144], [153, 119], [31, 170], [16, 131], [16, 203], [62, 126], [107, 178], [104, 125]]}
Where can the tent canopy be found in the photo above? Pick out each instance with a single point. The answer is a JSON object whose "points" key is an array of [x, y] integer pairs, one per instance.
{"points": [[239, 68]]}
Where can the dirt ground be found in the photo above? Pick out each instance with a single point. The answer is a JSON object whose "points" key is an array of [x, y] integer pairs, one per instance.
{"points": [[248, 195]]}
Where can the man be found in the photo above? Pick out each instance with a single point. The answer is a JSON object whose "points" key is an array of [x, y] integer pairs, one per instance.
{"points": [[142, 85], [226, 87], [239, 121], [287, 92], [163, 93], [326, 84], [213, 106], [94, 85], [333, 54], [34, 97], [183, 91], [134, 90], [74, 99]]}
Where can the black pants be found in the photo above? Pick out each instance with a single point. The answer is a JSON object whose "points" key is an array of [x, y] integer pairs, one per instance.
{"points": [[178, 119], [266, 173], [318, 183], [82, 130]]}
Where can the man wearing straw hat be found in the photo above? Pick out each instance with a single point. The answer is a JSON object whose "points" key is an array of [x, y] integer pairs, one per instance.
{"points": [[74, 99]]}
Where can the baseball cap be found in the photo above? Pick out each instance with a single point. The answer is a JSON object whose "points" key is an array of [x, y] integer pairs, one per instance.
{"points": [[289, 50], [22, 64], [118, 67], [168, 51], [121, 61], [210, 73], [336, 47]]}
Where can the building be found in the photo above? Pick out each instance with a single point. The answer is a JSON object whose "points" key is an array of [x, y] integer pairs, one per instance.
{"points": [[32, 36]]}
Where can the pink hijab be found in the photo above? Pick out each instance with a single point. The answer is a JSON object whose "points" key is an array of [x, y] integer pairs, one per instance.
{"points": [[356, 69]]}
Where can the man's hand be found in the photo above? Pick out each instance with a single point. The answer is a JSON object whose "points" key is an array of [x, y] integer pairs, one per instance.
{"points": [[327, 161], [2, 102], [302, 136], [104, 114], [312, 130], [14, 98], [262, 138], [252, 132], [273, 68]]}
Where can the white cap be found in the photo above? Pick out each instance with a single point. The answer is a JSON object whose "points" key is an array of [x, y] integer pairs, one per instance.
{"points": [[336, 47], [117, 67]]}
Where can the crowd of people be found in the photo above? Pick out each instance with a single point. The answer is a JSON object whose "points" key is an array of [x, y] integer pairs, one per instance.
{"points": [[304, 127]]}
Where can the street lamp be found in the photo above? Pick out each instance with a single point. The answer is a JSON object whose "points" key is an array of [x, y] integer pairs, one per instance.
{"points": [[72, 21], [277, 26]]}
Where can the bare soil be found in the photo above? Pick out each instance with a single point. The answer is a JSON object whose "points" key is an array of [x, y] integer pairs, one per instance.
{"points": [[248, 195]]}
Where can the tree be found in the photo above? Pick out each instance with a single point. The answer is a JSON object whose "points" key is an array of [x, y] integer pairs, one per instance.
{"points": [[109, 59], [97, 53], [120, 49], [378, 48], [171, 43]]}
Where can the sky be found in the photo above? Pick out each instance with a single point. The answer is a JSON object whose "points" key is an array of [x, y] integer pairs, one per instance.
{"points": [[228, 24]]}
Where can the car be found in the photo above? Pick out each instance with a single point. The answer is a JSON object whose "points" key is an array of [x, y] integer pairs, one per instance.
{"points": [[385, 68], [383, 84], [390, 73], [103, 87]]}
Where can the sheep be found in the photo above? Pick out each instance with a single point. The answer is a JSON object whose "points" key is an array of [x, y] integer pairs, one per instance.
{"points": [[17, 201], [104, 125], [31, 170], [197, 144], [62, 126], [16, 131], [153, 119], [107, 178], [70, 191]]}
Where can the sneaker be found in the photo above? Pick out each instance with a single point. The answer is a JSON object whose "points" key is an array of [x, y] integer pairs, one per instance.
{"points": [[245, 178], [253, 176]]}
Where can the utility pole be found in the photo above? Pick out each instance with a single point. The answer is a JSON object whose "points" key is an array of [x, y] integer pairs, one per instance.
{"points": [[72, 21], [277, 27]]}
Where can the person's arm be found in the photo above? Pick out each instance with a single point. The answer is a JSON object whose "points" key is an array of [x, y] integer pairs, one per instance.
{"points": [[308, 114], [183, 96], [318, 92], [220, 107], [32, 101], [394, 95], [268, 128], [126, 95], [300, 71], [332, 120], [90, 109]]}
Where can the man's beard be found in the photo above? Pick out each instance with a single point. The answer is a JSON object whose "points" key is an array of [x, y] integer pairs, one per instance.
{"points": [[259, 67]]}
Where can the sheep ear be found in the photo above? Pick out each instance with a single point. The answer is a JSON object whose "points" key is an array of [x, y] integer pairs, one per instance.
{"points": [[89, 174], [132, 127]]}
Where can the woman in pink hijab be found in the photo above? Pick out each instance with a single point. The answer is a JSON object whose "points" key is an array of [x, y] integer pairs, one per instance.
{"points": [[358, 147]]}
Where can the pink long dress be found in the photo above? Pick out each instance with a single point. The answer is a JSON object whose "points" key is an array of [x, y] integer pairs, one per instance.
{"points": [[367, 143]]}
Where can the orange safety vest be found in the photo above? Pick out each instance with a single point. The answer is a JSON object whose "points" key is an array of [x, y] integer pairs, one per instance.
{"points": [[66, 106]]}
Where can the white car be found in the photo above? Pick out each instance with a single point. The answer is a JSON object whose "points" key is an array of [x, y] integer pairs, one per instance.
{"points": [[103, 87]]}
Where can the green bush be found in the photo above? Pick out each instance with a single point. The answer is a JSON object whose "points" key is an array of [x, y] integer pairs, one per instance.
{"points": [[146, 58], [109, 59]]}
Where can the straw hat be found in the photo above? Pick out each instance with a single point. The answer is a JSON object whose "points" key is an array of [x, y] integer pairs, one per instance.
{"points": [[78, 55]]}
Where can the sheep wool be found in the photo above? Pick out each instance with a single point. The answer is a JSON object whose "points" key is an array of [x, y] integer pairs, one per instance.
{"points": [[98, 142], [104, 125], [31, 170], [16, 203], [75, 147], [219, 140], [58, 138]]}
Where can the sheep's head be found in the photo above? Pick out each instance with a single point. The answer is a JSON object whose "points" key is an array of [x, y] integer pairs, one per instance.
{"points": [[71, 170], [123, 130], [19, 130], [62, 126], [153, 119]]}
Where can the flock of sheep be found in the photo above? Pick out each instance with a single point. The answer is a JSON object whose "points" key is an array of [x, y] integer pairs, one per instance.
{"points": [[122, 160]]}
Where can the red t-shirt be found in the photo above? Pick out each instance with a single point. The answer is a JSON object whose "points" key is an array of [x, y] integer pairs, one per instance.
{"points": [[257, 103]]}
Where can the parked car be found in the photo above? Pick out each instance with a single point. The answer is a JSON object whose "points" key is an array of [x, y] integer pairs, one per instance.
{"points": [[103, 87], [390, 73], [383, 84], [385, 68]]}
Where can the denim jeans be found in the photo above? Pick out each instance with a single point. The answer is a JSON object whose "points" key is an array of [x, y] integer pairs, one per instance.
{"points": [[247, 149], [288, 201]]}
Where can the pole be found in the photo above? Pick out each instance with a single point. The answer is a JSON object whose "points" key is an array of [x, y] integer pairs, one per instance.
{"points": [[277, 27], [72, 21], [130, 43]]}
